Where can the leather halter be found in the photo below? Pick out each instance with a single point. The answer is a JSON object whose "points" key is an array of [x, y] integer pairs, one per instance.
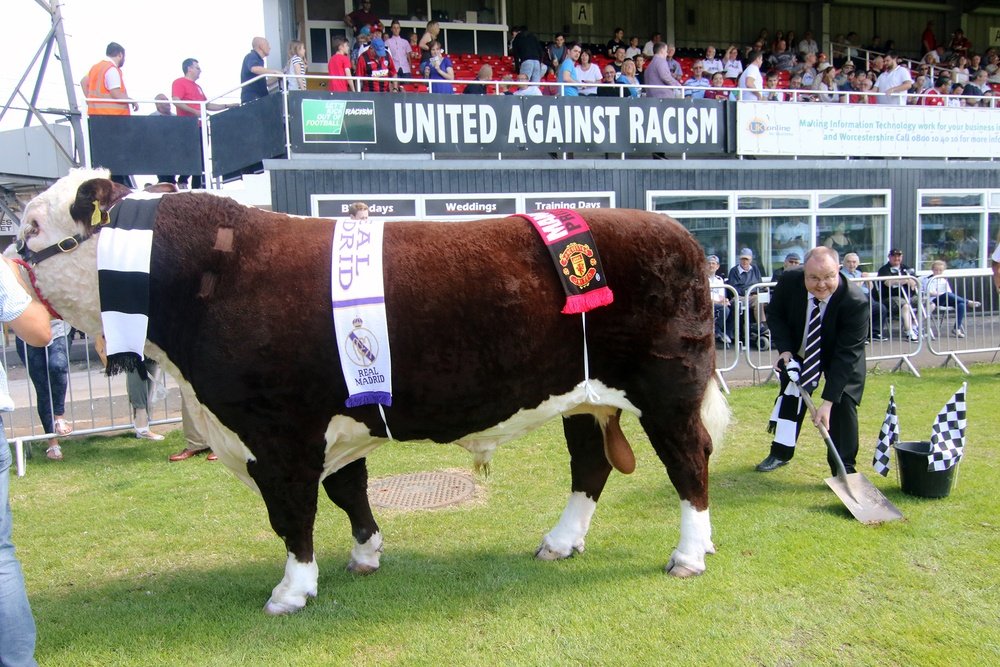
{"points": [[68, 244]]}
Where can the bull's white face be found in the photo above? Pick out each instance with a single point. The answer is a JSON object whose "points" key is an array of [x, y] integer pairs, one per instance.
{"points": [[68, 281]]}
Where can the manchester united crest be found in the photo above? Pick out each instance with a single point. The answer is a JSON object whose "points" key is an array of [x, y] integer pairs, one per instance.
{"points": [[579, 264]]}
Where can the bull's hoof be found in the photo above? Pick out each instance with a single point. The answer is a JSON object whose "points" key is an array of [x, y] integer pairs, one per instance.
{"points": [[548, 551], [710, 548], [357, 567], [284, 607], [682, 566]]}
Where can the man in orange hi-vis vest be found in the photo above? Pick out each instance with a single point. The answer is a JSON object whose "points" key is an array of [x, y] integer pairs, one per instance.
{"points": [[104, 86]]}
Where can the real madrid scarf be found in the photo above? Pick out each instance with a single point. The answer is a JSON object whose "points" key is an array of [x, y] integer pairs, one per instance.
{"points": [[123, 254], [574, 253], [358, 295]]}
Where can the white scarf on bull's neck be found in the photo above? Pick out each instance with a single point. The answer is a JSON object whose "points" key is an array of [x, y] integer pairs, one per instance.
{"points": [[124, 249]]}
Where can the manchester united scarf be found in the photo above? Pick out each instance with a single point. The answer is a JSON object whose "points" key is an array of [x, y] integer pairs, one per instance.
{"points": [[574, 253]]}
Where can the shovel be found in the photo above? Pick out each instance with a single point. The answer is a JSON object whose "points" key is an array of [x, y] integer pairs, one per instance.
{"points": [[861, 497]]}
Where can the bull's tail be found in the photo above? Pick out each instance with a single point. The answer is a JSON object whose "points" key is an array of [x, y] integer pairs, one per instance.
{"points": [[715, 414]]}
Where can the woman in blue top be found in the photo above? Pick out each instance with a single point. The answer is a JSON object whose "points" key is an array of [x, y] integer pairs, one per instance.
{"points": [[567, 71], [628, 79], [439, 68]]}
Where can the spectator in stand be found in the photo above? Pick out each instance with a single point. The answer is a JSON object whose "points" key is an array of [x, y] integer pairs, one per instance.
{"points": [[567, 71], [616, 42], [697, 80], [528, 54], [808, 44], [742, 277], [717, 92], [779, 35], [430, 35], [960, 69], [720, 303], [608, 76], [485, 74], [979, 84], [633, 48], [526, 86], [628, 79], [845, 78], [792, 261], [864, 96], [48, 368], [640, 68], [771, 92], [675, 66], [619, 60], [361, 44], [710, 62], [295, 69], [876, 44], [893, 82], [363, 17], [414, 44], [798, 91], [106, 86], [654, 39], [928, 42], [781, 59], [439, 68], [975, 63], [935, 95], [993, 67], [253, 66], [184, 90], [959, 45], [340, 65], [751, 82], [587, 72], [806, 69], [955, 100], [914, 97], [938, 291], [825, 85], [879, 315], [732, 67], [375, 68], [399, 50], [557, 52], [658, 74], [897, 295]]}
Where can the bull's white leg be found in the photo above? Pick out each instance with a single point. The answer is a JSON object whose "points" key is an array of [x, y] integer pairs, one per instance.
{"points": [[569, 533], [688, 558], [299, 582], [365, 557]]}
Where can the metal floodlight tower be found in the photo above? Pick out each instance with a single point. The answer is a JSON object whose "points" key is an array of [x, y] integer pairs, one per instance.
{"points": [[56, 36]]}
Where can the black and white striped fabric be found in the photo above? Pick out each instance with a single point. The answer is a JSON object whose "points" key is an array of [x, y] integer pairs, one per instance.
{"points": [[786, 417], [811, 355], [887, 437], [948, 434], [124, 248]]}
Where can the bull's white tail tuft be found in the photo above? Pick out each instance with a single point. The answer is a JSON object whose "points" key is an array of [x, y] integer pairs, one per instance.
{"points": [[715, 414]]}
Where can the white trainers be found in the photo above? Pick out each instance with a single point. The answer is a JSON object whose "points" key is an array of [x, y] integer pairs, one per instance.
{"points": [[146, 434], [959, 333]]}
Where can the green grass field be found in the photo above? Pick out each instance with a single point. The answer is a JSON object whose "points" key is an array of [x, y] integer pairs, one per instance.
{"points": [[133, 561]]}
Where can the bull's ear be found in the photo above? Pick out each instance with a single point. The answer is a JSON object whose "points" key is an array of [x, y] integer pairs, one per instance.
{"points": [[94, 198]]}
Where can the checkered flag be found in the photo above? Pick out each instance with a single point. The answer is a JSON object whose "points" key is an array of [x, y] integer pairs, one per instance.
{"points": [[948, 434], [887, 437]]}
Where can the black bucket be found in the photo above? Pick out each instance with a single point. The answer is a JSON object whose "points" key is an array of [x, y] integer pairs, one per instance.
{"points": [[914, 478]]}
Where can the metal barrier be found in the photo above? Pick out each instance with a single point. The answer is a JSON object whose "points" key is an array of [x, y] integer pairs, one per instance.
{"points": [[959, 309], [730, 343], [94, 402], [758, 347]]}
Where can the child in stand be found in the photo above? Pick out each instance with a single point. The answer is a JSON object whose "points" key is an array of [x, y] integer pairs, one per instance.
{"points": [[938, 291]]}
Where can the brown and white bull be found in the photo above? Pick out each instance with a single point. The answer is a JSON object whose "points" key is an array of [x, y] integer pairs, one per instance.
{"points": [[240, 315]]}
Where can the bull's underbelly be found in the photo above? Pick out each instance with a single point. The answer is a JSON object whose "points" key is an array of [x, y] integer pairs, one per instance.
{"points": [[348, 440]]}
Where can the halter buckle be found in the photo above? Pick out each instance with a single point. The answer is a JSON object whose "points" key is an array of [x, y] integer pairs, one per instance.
{"points": [[68, 244]]}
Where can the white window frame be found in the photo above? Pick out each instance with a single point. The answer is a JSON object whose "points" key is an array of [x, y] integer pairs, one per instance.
{"points": [[991, 204]]}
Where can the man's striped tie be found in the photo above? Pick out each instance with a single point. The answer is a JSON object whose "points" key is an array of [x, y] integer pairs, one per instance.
{"points": [[811, 358]]}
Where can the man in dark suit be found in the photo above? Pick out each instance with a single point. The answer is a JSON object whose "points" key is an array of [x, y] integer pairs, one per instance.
{"points": [[845, 314]]}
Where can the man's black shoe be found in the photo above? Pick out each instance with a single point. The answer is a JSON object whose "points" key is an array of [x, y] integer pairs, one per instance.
{"points": [[770, 463]]}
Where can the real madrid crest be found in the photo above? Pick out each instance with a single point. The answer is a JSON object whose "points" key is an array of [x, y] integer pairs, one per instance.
{"points": [[361, 346]]}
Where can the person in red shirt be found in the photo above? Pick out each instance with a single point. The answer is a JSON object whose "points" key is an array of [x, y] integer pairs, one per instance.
{"points": [[340, 65], [186, 89], [935, 95], [376, 62], [360, 18]]}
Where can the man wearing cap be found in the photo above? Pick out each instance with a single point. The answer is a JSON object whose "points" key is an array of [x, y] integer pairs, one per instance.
{"points": [[375, 62], [792, 261], [897, 294], [742, 277], [818, 294]]}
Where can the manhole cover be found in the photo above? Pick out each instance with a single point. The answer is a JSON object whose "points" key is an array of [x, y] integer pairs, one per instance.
{"points": [[421, 490]]}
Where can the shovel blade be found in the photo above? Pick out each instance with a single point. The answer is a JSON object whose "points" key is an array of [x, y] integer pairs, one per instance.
{"points": [[863, 499]]}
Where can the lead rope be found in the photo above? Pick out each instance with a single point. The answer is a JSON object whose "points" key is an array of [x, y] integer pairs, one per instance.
{"points": [[388, 433], [592, 395]]}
